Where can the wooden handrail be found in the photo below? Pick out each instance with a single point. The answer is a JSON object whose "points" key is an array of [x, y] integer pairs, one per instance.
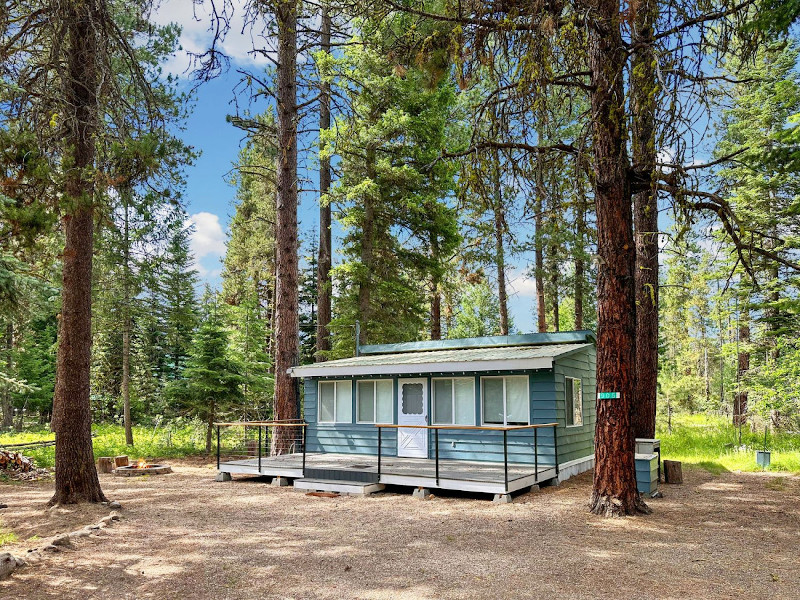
{"points": [[476, 427], [264, 424]]}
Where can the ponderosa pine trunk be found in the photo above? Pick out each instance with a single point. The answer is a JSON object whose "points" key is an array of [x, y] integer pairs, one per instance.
{"points": [[287, 344], [554, 275], [436, 296], [742, 367], [76, 477], [500, 252], [367, 252], [538, 247], [126, 322], [8, 410], [614, 487], [324, 259], [580, 244], [644, 91]]}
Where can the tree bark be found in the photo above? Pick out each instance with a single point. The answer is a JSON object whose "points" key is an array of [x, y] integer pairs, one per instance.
{"points": [[538, 244], [436, 296], [287, 345], [644, 90], [126, 322], [554, 274], [76, 477], [8, 410], [367, 253], [614, 487], [500, 253], [580, 244], [742, 367], [324, 259]]}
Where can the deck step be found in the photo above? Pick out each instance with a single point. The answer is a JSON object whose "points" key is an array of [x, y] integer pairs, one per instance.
{"points": [[352, 488]]}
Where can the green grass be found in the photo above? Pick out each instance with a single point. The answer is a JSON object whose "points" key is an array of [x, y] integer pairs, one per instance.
{"points": [[712, 443], [7, 536], [173, 440]]}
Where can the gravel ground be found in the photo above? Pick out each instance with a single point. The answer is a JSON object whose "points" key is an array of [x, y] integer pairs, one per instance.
{"points": [[185, 536]]}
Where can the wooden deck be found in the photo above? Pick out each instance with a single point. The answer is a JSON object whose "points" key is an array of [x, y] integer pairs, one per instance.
{"points": [[470, 476]]}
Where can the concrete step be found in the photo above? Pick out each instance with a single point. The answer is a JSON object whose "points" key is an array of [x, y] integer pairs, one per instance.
{"points": [[352, 488]]}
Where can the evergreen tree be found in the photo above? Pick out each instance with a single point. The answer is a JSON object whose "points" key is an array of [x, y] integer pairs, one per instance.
{"points": [[390, 196], [178, 280], [211, 379], [478, 313]]}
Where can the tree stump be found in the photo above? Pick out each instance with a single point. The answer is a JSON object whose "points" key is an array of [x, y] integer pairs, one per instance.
{"points": [[105, 464], [121, 461], [672, 471]]}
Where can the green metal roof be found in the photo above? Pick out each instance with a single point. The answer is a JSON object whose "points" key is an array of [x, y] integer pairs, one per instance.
{"points": [[496, 341], [505, 358]]}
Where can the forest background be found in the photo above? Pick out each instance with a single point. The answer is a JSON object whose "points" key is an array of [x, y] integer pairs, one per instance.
{"points": [[432, 236]]}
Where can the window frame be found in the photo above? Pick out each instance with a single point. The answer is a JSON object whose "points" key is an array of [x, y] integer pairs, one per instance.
{"points": [[452, 401], [505, 397], [334, 383], [374, 383], [569, 402]]}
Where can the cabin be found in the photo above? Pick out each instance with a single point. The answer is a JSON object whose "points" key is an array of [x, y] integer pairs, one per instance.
{"points": [[493, 414]]}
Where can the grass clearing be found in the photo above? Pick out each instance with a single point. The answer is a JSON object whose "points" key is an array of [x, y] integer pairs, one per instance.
{"points": [[171, 440], [712, 443]]}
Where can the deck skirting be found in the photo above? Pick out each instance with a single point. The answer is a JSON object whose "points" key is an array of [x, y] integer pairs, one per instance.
{"points": [[575, 467]]}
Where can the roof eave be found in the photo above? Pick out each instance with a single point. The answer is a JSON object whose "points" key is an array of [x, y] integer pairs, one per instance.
{"points": [[520, 364]]}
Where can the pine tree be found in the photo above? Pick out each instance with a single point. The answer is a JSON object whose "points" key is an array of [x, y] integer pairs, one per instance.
{"points": [[177, 292], [211, 379], [391, 193]]}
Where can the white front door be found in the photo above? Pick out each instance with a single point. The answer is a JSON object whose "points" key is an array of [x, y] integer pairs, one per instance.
{"points": [[412, 409]]}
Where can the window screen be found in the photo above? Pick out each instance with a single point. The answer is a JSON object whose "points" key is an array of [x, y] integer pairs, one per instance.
{"points": [[505, 400], [384, 395], [335, 402], [375, 401], [412, 399], [493, 400], [573, 394]]}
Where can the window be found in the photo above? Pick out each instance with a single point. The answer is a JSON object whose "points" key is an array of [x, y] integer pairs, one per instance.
{"points": [[454, 401], [505, 400], [335, 402], [573, 392], [375, 401]]}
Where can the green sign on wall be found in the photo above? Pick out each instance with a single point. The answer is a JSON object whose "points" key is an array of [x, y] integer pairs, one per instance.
{"points": [[608, 395]]}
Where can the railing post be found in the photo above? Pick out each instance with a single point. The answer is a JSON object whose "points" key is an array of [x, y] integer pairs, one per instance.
{"points": [[217, 447], [303, 438], [536, 453], [379, 452], [436, 444], [555, 446], [505, 457], [260, 433]]}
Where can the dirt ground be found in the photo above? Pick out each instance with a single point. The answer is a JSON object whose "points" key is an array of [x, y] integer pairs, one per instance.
{"points": [[185, 536]]}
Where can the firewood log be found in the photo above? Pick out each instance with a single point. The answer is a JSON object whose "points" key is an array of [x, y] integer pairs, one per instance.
{"points": [[105, 464]]}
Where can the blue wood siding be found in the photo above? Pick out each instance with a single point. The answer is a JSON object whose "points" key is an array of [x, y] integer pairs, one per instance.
{"points": [[546, 389], [347, 438], [578, 441]]}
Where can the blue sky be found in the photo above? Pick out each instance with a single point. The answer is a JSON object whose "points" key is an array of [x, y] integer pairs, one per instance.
{"points": [[208, 195]]}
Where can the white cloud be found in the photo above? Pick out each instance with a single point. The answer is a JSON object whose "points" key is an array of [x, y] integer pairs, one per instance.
{"points": [[521, 284], [207, 241], [197, 33]]}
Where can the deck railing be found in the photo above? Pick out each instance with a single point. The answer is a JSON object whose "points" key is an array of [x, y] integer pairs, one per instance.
{"points": [[264, 427], [504, 428]]}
